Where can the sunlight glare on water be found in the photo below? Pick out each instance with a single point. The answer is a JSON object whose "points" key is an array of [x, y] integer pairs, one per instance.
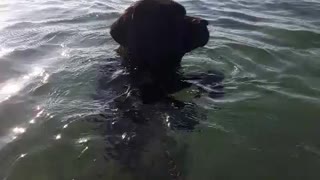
{"points": [[13, 86], [18, 130], [58, 137]]}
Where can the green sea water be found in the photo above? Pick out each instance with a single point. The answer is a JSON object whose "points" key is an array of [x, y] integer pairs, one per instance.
{"points": [[54, 116]]}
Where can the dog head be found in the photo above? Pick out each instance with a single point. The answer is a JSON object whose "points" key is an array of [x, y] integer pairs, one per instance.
{"points": [[159, 29]]}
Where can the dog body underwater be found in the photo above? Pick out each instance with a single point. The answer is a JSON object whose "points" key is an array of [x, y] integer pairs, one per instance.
{"points": [[153, 35]]}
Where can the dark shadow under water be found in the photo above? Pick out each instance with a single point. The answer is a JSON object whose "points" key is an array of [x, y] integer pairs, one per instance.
{"points": [[138, 118]]}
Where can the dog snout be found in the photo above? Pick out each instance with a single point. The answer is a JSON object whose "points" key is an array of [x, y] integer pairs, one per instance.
{"points": [[204, 22]]}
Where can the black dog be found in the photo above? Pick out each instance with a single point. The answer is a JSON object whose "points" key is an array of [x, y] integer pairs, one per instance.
{"points": [[153, 38], [154, 35]]}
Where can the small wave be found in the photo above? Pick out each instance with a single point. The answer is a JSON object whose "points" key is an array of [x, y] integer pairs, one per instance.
{"points": [[244, 16], [299, 83], [25, 55], [91, 17], [296, 8], [37, 31], [302, 39], [57, 37], [235, 23], [233, 98], [289, 94], [265, 59], [25, 37], [21, 25]]}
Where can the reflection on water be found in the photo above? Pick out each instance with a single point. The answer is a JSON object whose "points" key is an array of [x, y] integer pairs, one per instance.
{"points": [[58, 137], [18, 131], [83, 140], [13, 86]]}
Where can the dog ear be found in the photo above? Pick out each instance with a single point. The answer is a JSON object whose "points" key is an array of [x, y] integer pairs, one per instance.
{"points": [[120, 29]]}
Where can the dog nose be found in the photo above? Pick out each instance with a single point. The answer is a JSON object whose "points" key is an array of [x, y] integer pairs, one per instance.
{"points": [[204, 22]]}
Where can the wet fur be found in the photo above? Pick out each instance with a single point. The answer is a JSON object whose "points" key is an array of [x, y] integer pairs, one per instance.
{"points": [[153, 38]]}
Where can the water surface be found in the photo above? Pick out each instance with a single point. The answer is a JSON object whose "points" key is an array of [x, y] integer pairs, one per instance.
{"points": [[265, 126]]}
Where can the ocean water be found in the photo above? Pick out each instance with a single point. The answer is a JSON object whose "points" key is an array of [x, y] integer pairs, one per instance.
{"points": [[63, 115]]}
